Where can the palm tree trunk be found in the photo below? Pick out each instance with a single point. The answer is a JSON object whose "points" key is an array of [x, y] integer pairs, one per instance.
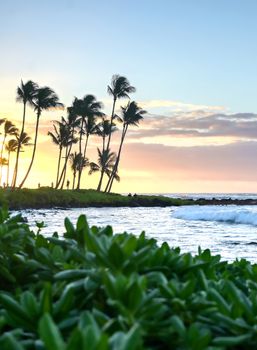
{"points": [[8, 168], [84, 157], [115, 168], [101, 180], [103, 143], [15, 172], [74, 179], [65, 168], [110, 135], [80, 151], [112, 117], [65, 164], [80, 136], [2, 150], [58, 166], [33, 154]]}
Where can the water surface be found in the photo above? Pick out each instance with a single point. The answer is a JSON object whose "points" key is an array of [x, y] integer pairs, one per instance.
{"points": [[227, 230]]}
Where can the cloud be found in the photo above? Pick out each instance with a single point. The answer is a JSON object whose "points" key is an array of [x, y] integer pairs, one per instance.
{"points": [[200, 127], [178, 106]]}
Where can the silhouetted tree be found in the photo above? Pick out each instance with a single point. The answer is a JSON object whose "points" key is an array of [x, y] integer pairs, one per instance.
{"points": [[10, 147], [119, 88], [77, 162], [89, 109], [25, 94], [21, 139], [131, 116], [105, 163], [71, 124], [9, 129], [44, 99], [104, 129]]}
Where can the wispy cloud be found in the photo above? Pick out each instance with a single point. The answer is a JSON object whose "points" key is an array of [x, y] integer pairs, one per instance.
{"points": [[178, 106], [196, 127]]}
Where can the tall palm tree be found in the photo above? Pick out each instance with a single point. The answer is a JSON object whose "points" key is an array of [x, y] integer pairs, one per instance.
{"points": [[90, 108], [119, 88], [9, 129], [131, 116], [25, 94], [105, 163], [77, 162], [44, 99], [10, 147]]}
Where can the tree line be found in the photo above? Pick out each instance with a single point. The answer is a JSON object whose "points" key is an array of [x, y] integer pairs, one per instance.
{"points": [[85, 118]]}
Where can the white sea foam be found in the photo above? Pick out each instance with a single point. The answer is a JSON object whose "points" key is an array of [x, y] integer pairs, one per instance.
{"points": [[229, 214]]}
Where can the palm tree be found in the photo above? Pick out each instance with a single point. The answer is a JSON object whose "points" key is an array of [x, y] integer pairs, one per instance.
{"points": [[25, 94], [71, 124], [3, 162], [9, 129], [104, 128], [10, 147], [77, 162], [44, 99], [131, 115], [105, 163], [89, 110], [67, 139], [23, 140], [57, 138], [119, 88]]}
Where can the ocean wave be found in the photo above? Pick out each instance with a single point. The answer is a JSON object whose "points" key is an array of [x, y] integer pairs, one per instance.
{"points": [[219, 214]]}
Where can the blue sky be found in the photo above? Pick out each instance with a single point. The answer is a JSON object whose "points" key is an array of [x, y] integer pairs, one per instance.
{"points": [[195, 51]]}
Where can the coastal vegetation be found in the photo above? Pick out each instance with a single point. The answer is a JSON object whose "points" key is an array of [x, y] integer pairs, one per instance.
{"points": [[91, 289], [85, 118], [48, 197]]}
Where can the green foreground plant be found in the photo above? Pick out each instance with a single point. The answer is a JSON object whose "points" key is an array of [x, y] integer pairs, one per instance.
{"points": [[90, 289]]}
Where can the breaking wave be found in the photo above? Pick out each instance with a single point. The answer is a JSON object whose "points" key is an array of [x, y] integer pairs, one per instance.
{"points": [[231, 214]]}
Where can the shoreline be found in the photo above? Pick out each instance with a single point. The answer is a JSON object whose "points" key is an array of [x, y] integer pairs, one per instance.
{"points": [[48, 198]]}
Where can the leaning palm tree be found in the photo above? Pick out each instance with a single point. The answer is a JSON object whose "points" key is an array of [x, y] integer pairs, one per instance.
{"points": [[44, 99], [105, 163], [25, 94], [131, 116], [9, 129], [119, 88], [77, 162], [90, 108]]}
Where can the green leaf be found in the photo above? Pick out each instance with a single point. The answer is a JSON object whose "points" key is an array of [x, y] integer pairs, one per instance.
{"points": [[46, 300], [50, 334], [232, 340]]}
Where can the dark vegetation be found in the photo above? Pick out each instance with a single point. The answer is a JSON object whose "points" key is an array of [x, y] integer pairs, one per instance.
{"points": [[49, 198], [92, 290]]}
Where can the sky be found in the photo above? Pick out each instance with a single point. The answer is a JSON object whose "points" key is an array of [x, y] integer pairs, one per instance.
{"points": [[193, 63]]}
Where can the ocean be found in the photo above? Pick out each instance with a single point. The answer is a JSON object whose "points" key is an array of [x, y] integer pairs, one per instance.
{"points": [[230, 230]]}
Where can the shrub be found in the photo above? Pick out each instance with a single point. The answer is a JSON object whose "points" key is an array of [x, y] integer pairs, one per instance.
{"points": [[94, 290]]}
